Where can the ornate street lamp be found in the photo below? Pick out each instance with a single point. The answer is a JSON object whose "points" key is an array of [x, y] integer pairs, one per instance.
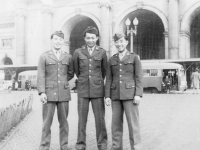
{"points": [[131, 31]]}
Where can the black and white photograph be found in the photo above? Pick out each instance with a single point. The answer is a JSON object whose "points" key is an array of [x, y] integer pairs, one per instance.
{"points": [[99, 74]]}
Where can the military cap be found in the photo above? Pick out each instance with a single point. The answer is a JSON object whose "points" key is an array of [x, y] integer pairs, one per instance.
{"points": [[92, 30], [58, 33], [118, 36]]}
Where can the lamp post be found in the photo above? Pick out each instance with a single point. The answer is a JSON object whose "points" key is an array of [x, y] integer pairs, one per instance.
{"points": [[131, 31]]}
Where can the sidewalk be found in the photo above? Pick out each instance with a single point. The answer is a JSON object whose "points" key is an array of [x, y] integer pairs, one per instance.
{"points": [[168, 122]]}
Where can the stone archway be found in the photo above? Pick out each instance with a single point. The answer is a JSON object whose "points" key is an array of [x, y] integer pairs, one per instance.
{"points": [[7, 61], [150, 42], [73, 26], [189, 35]]}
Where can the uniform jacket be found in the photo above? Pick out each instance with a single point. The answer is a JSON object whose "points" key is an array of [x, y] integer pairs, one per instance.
{"points": [[124, 78], [54, 74], [90, 71]]}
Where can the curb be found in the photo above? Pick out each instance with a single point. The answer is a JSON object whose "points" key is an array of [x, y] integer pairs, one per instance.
{"points": [[14, 130]]}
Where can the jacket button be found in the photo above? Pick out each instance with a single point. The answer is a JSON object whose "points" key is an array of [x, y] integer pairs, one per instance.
{"points": [[59, 81], [54, 93], [89, 70], [120, 64], [89, 76], [90, 65], [120, 81], [90, 59], [120, 69], [120, 75]]}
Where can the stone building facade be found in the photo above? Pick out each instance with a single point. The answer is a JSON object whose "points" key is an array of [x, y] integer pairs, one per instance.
{"points": [[167, 29]]}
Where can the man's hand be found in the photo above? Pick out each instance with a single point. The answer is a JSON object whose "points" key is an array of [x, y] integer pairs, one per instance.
{"points": [[108, 101], [137, 100], [43, 98]]}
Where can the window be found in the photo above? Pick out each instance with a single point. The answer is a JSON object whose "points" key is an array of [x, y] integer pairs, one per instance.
{"points": [[6, 43], [150, 73], [154, 72], [146, 73]]}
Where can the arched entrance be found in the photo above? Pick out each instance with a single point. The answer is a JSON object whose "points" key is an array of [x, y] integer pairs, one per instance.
{"points": [[73, 27], [7, 61], [149, 42], [76, 37], [195, 35]]}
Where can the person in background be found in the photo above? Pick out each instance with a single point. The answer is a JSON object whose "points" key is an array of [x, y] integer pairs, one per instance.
{"points": [[195, 81], [124, 87], [55, 69], [168, 84]]}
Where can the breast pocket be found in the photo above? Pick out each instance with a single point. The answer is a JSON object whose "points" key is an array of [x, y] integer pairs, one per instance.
{"points": [[128, 66], [83, 61], [114, 66], [50, 62], [97, 61]]}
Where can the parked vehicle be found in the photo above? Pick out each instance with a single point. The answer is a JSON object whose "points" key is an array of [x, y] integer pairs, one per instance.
{"points": [[155, 74]]}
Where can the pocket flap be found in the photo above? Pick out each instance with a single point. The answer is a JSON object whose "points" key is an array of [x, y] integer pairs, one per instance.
{"points": [[49, 85], [50, 63], [98, 82], [65, 62], [81, 80], [113, 86], [130, 85], [97, 58]]}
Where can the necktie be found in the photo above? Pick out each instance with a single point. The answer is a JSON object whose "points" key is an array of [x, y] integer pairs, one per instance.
{"points": [[90, 51], [58, 54], [120, 56]]}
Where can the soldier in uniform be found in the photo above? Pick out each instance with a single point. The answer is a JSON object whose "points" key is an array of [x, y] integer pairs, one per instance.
{"points": [[124, 88], [55, 69], [90, 63]]}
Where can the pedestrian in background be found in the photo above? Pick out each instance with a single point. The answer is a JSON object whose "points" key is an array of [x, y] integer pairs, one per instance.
{"points": [[90, 63], [124, 88], [168, 83], [195, 81], [55, 69]]}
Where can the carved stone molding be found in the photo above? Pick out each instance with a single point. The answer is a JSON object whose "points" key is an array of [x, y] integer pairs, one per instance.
{"points": [[21, 13], [67, 42], [185, 33], [47, 10], [78, 11], [139, 5], [166, 34], [7, 25], [107, 5]]}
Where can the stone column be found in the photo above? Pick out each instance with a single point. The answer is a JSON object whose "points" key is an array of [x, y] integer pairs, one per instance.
{"points": [[105, 27], [20, 27], [47, 12], [166, 45], [173, 29], [66, 46], [184, 51]]}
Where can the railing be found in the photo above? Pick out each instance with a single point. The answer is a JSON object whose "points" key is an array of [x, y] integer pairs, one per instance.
{"points": [[13, 109]]}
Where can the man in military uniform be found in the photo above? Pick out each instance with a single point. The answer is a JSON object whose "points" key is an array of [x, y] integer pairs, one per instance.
{"points": [[90, 63], [124, 88], [55, 69]]}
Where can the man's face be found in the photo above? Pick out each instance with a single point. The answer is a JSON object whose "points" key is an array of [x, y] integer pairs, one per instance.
{"points": [[90, 39], [57, 42], [121, 44]]}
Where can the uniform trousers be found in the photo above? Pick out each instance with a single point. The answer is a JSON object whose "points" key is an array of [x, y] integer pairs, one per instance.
{"points": [[132, 116], [98, 107], [48, 110]]}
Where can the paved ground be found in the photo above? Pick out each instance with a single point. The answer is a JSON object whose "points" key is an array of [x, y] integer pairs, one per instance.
{"points": [[168, 122]]}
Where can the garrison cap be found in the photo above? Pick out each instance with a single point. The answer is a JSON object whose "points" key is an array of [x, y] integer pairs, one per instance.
{"points": [[118, 36], [92, 30], [58, 33]]}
